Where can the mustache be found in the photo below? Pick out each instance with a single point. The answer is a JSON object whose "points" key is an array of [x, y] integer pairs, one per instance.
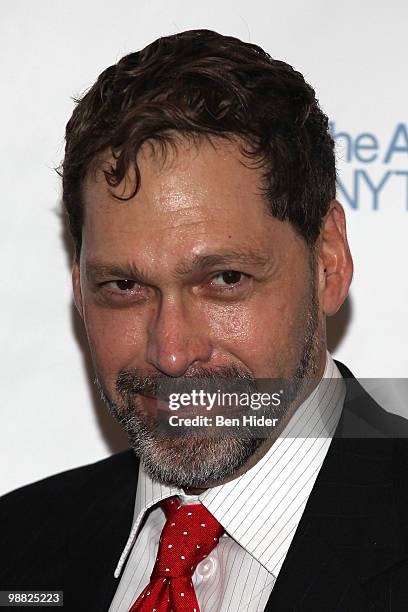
{"points": [[228, 378]]}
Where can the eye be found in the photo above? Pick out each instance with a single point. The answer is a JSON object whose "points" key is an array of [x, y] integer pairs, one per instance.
{"points": [[123, 284], [122, 291], [123, 287], [228, 278]]}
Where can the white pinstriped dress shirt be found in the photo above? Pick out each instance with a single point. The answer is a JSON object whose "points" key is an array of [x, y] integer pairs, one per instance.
{"points": [[259, 511]]}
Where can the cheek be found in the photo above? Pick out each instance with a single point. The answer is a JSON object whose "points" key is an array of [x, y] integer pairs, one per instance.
{"points": [[115, 337], [266, 334], [232, 324], [250, 333]]}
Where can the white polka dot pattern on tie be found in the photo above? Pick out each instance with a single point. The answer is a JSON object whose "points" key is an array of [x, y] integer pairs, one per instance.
{"points": [[178, 557]]}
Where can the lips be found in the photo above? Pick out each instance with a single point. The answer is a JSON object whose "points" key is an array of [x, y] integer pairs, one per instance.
{"points": [[154, 406]]}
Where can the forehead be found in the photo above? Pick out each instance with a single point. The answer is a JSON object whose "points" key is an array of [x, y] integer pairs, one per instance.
{"points": [[182, 165], [190, 194]]}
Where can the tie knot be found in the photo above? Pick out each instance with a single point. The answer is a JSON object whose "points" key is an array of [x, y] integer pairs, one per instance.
{"points": [[189, 535]]}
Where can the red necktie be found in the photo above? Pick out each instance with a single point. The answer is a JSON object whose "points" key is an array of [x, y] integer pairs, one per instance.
{"points": [[189, 535]]}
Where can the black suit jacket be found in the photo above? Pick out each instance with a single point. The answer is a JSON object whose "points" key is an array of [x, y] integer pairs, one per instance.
{"points": [[349, 552]]}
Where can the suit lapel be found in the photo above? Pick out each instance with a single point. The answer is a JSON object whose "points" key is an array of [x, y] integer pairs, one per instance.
{"points": [[314, 576]]}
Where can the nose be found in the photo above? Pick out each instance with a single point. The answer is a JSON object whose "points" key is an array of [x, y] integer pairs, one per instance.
{"points": [[177, 339]]}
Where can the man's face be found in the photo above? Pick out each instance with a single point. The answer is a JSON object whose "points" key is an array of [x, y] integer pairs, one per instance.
{"points": [[192, 275]]}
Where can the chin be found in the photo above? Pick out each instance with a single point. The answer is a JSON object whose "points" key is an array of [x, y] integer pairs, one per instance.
{"points": [[192, 461]]}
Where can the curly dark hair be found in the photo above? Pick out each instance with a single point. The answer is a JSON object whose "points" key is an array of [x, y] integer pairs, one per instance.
{"points": [[202, 84]]}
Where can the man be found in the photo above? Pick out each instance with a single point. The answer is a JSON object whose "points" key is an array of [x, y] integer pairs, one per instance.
{"points": [[199, 183]]}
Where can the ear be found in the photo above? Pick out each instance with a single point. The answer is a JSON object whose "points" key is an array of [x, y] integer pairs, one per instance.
{"points": [[335, 261], [76, 286]]}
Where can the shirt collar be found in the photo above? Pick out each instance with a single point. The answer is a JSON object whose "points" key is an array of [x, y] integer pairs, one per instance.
{"points": [[239, 505]]}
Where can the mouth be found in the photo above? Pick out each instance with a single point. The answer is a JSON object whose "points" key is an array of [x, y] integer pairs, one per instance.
{"points": [[160, 407], [162, 403]]}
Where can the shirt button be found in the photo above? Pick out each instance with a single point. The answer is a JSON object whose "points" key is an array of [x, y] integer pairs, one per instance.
{"points": [[207, 567]]}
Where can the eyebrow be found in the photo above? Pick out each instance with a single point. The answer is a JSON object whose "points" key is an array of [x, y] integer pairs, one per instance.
{"points": [[186, 267], [104, 270], [226, 258]]}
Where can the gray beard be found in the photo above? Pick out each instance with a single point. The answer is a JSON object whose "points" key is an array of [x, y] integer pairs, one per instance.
{"points": [[197, 459]]}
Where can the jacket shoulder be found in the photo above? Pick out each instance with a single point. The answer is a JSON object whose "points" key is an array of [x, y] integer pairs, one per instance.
{"points": [[362, 417], [66, 532], [48, 526], [70, 483]]}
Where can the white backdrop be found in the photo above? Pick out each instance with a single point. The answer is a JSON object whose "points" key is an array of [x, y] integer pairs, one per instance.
{"points": [[354, 54]]}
